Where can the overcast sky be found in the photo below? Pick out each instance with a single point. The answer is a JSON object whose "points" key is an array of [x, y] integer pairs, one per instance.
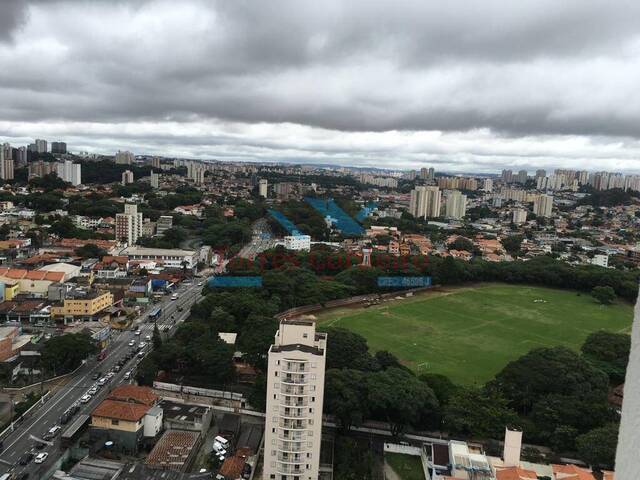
{"points": [[459, 85]]}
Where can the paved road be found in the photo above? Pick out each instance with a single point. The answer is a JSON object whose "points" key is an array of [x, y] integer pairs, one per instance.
{"points": [[38, 424], [261, 240]]}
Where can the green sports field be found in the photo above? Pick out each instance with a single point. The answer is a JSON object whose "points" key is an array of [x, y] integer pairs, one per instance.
{"points": [[469, 334]]}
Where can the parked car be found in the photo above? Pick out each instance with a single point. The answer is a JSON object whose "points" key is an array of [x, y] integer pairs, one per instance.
{"points": [[127, 375], [132, 343], [85, 398], [102, 381], [41, 457]]}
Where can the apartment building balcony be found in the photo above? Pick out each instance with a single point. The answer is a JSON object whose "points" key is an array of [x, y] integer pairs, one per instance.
{"points": [[293, 459], [291, 447], [292, 402], [292, 424], [294, 379], [288, 469], [295, 367], [293, 412], [291, 436], [294, 390]]}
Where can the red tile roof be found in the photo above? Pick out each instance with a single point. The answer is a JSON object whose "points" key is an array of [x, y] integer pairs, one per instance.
{"points": [[571, 472], [20, 274], [134, 394], [232, 466], [131, 412], [515, 473], [174, 449]]}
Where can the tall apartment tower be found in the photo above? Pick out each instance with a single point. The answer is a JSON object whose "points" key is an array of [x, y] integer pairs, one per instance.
{"points": [[6, 162], [69, 172], [41, 146], [59, 148], [127, 177], [425, 202], [542, 205], [263, 186], [154, 180], [124, 158], [456, 205], [295, 394], [129, 225]]}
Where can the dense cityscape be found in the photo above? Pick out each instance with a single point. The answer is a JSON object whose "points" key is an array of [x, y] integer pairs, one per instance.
{"points": [[155, 308]]}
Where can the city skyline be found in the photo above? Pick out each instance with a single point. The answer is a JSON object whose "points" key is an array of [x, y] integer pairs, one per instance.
{"points": [[532, 87]]}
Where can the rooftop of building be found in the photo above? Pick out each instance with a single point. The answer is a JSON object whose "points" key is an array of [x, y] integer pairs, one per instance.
{"points": [[184, 412], [131, 412], [175, 252], [173, 450], [134, 394], [21, 274]]}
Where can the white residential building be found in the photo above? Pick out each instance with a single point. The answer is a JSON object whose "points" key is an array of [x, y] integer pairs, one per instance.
{"points": [[129, 225], [297, 242], [519, 216], [124, 158], [69, 172], [168, 257], [542, 205], [456, 205], [600, 260], [263, 186], [425, 202], [127, 177], [154, 180], [164, 223], [295, 395]]}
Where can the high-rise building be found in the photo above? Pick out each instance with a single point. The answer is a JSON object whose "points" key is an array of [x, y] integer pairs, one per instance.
{"points": [[69, 172], [164, 223], [6, 162], [487, 185], [154, 180], [21, 156], [155, 162], [263, 186], [129, 225], [41, 146], [425, 202], [541, 173], [427, 173], [41, 168], [59, 147], [507, 176], [455, 205], [127, 177], [295, 395], [542, 205], [124, 158], [522, 177], [519, 216]]}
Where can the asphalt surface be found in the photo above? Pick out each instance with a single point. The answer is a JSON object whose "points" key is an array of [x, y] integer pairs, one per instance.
{"points": [[21, 440], [261, 240]]}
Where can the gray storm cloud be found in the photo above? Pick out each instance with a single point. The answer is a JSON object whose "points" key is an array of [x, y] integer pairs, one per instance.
{"points": [[531, 71]]}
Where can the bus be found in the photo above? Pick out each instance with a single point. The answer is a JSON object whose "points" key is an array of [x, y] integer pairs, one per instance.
{"points": [[155, 314]]}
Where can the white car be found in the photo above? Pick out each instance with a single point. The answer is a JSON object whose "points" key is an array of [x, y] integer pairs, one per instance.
{"points": [[93, 390], [142, 345], [127, 375], [54, 430], [102, 381], [85, 398], [147, 338], [132, 343], [137, 332], [41, 457]]}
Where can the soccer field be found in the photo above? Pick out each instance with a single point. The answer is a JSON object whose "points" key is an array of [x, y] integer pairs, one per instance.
{"points": [[470, 333]]}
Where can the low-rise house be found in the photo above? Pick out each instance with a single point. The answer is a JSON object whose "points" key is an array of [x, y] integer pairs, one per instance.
{"points": [[35, 282], [121, 418], [185, 416], [571, 472]]}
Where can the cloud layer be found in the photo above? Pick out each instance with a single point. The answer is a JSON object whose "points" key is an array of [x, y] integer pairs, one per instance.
{"points": [[469, 86]]}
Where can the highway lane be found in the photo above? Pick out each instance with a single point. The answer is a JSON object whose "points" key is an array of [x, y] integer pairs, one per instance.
{"points": [[19, 442]]}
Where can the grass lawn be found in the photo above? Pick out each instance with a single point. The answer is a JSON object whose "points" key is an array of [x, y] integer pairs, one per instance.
{"points": [[408, 467], [471, 333]]}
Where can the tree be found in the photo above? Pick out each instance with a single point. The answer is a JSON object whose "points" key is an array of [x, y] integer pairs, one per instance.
{"points": [[609, 352], [64, 353], [345, 395], [256, 338], [512, 244], [157, 338], [346, 349], [478, 413], [441, 385], [604, 295], [545, 371], [598, 447], [90, 250], [399, 398]]}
